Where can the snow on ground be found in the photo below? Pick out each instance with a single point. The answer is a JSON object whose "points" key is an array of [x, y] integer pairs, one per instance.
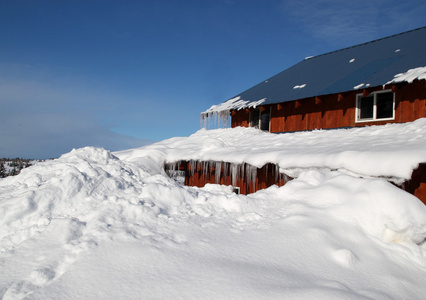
{"points": [[97, 225]]}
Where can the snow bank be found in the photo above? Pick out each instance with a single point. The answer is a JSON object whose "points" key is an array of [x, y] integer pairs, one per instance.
{"points": [[94, 224], [391, 215]]}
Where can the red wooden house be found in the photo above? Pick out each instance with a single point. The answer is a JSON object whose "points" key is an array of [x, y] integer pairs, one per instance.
{"points": [[374, 83]]}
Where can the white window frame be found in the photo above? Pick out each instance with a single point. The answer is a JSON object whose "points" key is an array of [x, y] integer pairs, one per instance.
{"points": [[374, 118]]}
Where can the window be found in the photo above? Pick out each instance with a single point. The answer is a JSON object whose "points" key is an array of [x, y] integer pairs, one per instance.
{"points": [[254, 118], [259, 119], [377, 106], [265, 118]]}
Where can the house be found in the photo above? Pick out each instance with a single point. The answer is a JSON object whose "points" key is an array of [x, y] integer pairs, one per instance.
{"points": [[378, 82], [375, 83]]}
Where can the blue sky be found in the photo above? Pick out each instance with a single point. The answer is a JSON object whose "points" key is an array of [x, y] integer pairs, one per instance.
{"points": [[121, 74]]}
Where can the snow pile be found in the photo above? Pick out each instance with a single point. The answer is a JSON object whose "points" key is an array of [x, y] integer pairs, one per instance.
{"points": [[97, 225]]}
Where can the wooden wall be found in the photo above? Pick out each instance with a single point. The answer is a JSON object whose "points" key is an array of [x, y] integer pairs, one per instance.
{"points": [[248, 178], [417, 184], [338, 110], [251, 179]]}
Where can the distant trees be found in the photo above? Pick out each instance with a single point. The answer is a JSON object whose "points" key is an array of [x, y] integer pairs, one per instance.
{"points": [[12, 167], [2, 171]]}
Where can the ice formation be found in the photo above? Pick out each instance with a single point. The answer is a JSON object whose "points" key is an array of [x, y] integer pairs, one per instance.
{"points": [[219, 116], [222, 172]]}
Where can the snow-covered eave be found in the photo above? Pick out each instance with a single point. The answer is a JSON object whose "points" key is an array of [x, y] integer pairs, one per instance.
{"points": [[235, 103], [293, 170], [389, 151]]}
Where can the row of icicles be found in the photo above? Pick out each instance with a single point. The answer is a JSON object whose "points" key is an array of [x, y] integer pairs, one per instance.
{"points": [[233, 170], [215, 119]]}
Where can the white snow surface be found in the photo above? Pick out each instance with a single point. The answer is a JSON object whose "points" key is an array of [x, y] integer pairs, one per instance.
{"points": [[410, 75], [100, 225], [391, 150]]}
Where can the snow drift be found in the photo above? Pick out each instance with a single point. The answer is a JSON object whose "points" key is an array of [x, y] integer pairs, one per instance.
{"points": [[95, 224]]}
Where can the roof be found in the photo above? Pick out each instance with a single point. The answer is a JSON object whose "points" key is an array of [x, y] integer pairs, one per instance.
{"points": [[370, 64]]}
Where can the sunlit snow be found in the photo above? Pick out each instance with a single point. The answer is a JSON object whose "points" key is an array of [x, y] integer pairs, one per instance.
{"points": [[99, 225], [410, 75], [299, 86]]}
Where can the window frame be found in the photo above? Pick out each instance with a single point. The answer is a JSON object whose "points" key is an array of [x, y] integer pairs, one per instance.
{"points": [[259, 122], [252, 120], [374, 118]]}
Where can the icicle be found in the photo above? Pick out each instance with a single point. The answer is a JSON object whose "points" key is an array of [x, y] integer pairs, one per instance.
{"points": [[215, 119], [218, 171], [193, 166], [211, 168], [234, 173], [247, 171], [242, 170], [225, 172], [277, 173], [251, 175]]}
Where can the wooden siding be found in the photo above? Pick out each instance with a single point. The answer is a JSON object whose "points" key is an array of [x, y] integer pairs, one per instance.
{"points": [[250, 179], [247, 178], [417, 184], [338, 110]]}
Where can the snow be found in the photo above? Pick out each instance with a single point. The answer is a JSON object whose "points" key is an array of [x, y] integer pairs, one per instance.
{"points": [[218, 116], [410, 75], [391, 150], [100, 225], [299, 86]]}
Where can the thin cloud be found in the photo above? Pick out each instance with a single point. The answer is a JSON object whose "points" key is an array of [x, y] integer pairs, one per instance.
{"points": [[46, 135], [42, 118], [350, 22]]}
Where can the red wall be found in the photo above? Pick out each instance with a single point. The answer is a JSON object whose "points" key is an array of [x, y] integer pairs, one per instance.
{"points": [[417, 184], [338, 110], [201, 173]]}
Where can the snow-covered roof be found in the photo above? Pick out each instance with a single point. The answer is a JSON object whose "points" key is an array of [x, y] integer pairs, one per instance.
{"points": [[392, 150], [370, 64]]}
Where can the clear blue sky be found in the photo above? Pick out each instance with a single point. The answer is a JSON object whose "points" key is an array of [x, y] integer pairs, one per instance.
{"points": [[118, 74]]}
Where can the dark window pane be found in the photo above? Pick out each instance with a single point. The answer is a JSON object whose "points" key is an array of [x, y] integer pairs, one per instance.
{"points": [[366, 107], [254, 118], [264, 125], [384, 103]]}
